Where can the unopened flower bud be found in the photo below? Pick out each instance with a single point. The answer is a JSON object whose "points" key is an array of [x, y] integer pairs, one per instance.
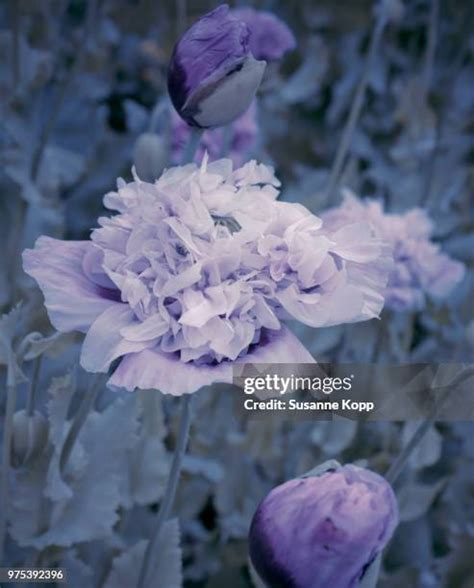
{"points": [[150, 156], [323, 530], [30, 434], [212, 76]]}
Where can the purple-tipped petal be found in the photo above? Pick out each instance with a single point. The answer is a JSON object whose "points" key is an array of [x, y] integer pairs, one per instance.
{"points": [[279, 347], [73, 300], [270, 37], [323, 530], [155, 369]]}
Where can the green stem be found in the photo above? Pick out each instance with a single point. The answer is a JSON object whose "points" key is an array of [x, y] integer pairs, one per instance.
{"points": [[15, 246], [50, 124], [357, 104], [80, 417], [62, 92], [161, 107], [170, 492], [191, 146], [228, 133], [15, 46], [181, 12], [431, 45], [6, 457], [30, 402]]}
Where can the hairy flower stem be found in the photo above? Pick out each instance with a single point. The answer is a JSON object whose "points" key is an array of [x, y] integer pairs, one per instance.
{"points": [[158, 113], [431, 45], [399, 464], [192, 145], [181, 15], [30, 401], [15, 56], [170, 492], [357, 103], [55, 111], [228, 137], [51, 122], [6, 456], [80, 417]]}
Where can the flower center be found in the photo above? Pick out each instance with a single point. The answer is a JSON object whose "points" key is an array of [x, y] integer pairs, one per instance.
{"points": [[228, 222]]}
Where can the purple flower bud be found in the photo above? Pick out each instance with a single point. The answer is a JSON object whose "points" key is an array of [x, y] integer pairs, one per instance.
{"points": [[270, 37], [212, 76], [323, 530]]}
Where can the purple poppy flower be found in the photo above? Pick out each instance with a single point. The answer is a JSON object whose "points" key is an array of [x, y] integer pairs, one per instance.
{"points": [[197, 270], [421, 269], [323, 530], [238, 140], [212, 75], [270, 37]]}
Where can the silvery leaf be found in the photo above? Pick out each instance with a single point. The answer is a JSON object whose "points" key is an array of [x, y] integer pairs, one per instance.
{"points": [[334, 436], [149, 461], [28, 516], [415, 499], [97, 487], [60, 393], [166, 569], [306, 82], [79, 574], [30, 503], [428, 450], [35, 344]]}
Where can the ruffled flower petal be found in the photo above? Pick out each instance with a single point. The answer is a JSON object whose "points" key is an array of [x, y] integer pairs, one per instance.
{"points": [[153, 369], [72, 299], [344, 304], [104, 341], [279, 347]]}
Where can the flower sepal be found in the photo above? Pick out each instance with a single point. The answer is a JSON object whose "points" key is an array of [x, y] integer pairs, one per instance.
{"points": [[369, 580]]}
